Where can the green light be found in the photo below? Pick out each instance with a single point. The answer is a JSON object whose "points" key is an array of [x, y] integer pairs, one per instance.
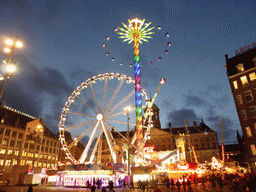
{"points": [[137, 58]]}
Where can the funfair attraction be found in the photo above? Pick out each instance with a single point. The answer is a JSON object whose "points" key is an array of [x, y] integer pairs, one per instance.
{"points": [[96, 108]]}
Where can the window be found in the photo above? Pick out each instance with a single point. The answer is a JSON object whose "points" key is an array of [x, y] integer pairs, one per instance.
{"points": [[12, 143], [248, 131], [43, 141], [36, 155], [39, 164], [2, 151], [10, 152], [239, 99], [20, 135], [51, 143], [46, 149], [244, 80], [22, 162], [5, 142], [18, 144], [30, 154], [235, 84], [32, 146], [24, 153], [53, 150], [49, 157], [26, 145], [54, 144], [8, 162], [2, 120], [14, 134], [253, 111], [47, 142], [15, 162], [16, 153], [1, 130], [240, 67], [1, 161], [253, 149], [37, 147], [50, 150], [248, 95], [243, 113], [7, 133], [252, 76], [42, 148]]}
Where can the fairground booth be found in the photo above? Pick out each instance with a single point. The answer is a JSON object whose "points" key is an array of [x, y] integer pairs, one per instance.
{"points": [[85, 175]]}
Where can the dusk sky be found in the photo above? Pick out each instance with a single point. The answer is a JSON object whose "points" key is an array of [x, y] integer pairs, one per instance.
{"points": [[63, 48]]}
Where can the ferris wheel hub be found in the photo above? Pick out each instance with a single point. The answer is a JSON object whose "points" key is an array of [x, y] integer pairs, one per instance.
{"points": [[99, 117]]}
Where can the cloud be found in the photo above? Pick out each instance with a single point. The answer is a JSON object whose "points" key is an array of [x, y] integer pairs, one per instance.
{"points": [[193, 101], [177, 117]]}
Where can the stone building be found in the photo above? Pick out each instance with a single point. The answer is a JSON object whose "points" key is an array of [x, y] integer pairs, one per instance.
{"points": [[201, 137], [241, 72], [26, 145]]}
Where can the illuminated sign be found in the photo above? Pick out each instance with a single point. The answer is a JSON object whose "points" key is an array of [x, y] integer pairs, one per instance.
{"points": [[183, 166], [148, 149]]}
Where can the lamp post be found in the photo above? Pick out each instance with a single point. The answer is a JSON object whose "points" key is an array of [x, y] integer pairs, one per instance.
{"points": [[127, 110], [10, 65]]}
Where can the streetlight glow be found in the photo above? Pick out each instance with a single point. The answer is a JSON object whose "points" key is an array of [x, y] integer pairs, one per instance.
{"points": [[10, 68], [19, 44], [7, 50], [9, 42]]}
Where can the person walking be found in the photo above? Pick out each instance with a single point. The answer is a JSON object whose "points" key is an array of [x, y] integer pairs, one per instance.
{"points": [[172, 183], [30, 189], [178, 185], [189, 186], [184, 183]]}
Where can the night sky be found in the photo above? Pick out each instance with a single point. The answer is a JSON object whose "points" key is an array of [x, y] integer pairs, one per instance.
{"points": [[63, 47]]}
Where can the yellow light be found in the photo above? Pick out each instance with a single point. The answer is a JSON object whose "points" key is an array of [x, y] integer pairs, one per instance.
{"points": [[19, 44], [128, 108], [7, 50], [10, 68], [9, 42]]}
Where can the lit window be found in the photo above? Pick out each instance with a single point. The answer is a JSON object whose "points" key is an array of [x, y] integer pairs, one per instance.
{"points": [[2, 120], [39, 164], [16, 153], [2, 151], [244, 80], [9, 152], [253, 149], [239, 99], [244, 116], [45, 156], [24, 153], [22, 162], [1, 161], [15, 162], [5, 141], [253, 111], [8, 162], [248, 95], [35, 164], [44, 165], [48, 165], [36, 155], [30, 154], [49, 157], [248, 131], [240, 67], [235, 84], [252, 76], [41, 156]]}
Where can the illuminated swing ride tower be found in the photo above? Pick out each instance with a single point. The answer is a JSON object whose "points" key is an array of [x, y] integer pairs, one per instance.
{"points": [[136, 34]]}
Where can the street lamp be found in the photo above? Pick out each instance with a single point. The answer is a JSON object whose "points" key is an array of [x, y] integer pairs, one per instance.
{"points": [[127, 110], [10, 65]]}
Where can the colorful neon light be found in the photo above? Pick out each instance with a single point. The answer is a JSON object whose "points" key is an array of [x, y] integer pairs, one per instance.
{"points": [[134, 32]]}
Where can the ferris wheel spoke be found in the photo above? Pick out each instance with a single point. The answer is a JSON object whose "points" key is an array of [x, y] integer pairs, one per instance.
{"points": [[85, 152], [121, 102], [115, 94], [86, 104], [81, 114], [125, 123], [81, 136], [122, 136], [105, 93], [96, 146], [95, 99], [110, 141], [80, 125]]}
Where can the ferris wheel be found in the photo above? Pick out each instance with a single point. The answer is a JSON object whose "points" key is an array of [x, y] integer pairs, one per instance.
{"points": [[92, 109]]}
